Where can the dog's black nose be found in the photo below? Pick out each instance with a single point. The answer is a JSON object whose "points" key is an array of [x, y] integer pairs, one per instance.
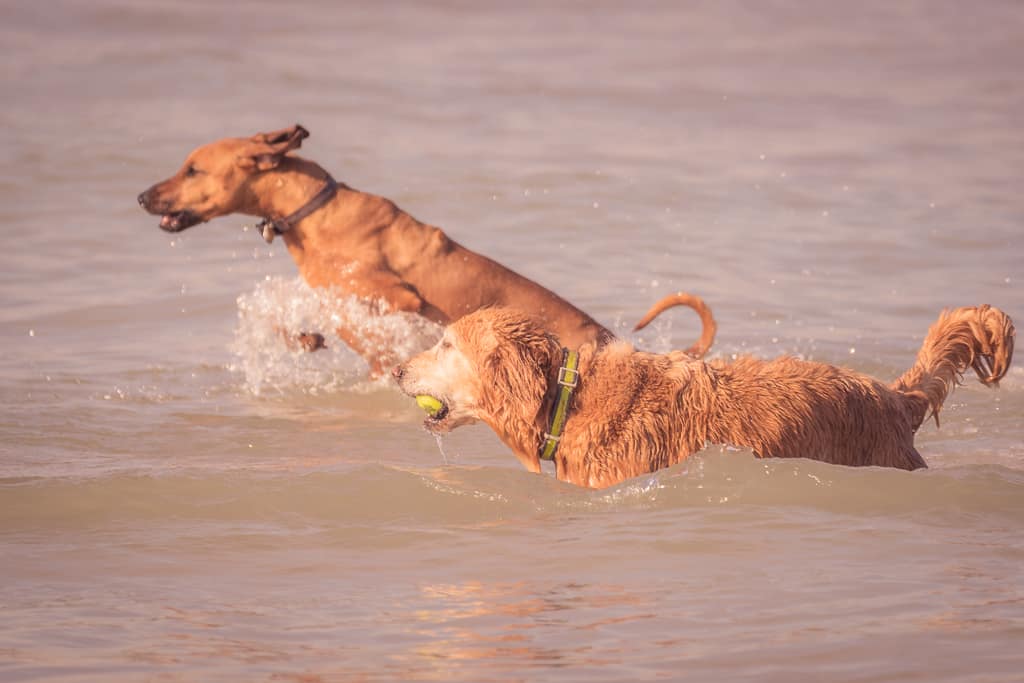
{"points": [[142, 198]]}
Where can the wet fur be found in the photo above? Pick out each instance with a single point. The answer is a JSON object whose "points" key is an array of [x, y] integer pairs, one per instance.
{"points": [[636, 412]]}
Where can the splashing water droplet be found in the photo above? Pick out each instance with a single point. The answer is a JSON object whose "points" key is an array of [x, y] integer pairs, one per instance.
{"points": [[440, 447]]}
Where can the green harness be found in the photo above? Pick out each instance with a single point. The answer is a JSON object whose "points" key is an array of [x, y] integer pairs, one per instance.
{"points": [[568, 377]]}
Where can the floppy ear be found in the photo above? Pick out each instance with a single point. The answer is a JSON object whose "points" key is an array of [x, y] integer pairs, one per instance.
{"points": [[268, 148], [515, 376]]}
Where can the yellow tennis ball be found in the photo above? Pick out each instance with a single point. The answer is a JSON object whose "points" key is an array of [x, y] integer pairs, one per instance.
{"points": [[429, 404]]}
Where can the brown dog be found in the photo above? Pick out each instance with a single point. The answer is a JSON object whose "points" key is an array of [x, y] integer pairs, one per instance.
{"points": [[359, 243], [635, 412]]}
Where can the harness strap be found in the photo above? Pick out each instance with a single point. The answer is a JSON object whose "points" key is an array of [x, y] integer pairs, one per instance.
{"points": [[568, 378], [269, 227]]}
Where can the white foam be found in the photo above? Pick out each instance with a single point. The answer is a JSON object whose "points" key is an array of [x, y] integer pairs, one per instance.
{"points": [[278, 304]]}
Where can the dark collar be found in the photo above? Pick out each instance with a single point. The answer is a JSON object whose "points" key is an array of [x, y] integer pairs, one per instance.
{"points": [[568, 377], [269, 227]]}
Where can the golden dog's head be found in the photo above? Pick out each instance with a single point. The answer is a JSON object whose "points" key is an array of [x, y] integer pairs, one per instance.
{"points": [[491, 365], [215, 178]]}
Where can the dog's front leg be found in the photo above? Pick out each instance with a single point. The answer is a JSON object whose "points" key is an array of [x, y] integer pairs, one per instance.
{"points": [[384, 292], [376, 344], [373, 346]]}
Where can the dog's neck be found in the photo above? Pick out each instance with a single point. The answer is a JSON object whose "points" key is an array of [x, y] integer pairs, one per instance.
{"points": [[542, 422], [283, 190]]}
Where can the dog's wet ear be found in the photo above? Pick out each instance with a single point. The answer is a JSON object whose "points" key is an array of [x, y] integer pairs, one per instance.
{"points": [[270, 147], [516, 368]]}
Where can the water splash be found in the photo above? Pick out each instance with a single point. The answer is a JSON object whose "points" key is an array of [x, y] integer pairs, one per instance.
{"points": [[440, 447], [280, 304]]}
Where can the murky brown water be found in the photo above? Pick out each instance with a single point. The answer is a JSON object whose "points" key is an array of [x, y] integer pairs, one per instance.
{"points": [[181, 499]]}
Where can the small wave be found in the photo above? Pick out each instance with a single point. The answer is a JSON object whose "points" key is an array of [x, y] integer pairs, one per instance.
{"points": [[484, 496], [726, 478], [276, 304], [361, 494]]}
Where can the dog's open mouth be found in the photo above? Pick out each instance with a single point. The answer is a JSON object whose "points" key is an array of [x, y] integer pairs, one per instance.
{"points": [[437, 418], [178, 221], [436, 409]]}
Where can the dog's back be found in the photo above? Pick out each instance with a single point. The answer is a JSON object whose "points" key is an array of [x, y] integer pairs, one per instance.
{"points": [[792, 408], [789, 408]]}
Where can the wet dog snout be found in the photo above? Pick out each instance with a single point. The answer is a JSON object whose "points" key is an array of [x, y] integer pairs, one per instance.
{"points": [[397, 372]]}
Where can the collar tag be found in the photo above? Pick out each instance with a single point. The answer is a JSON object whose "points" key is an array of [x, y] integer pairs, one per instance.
{"points": [[268, 230]]}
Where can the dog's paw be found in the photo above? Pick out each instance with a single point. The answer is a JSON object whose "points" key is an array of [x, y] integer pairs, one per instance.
{"points": [[310, 341]]}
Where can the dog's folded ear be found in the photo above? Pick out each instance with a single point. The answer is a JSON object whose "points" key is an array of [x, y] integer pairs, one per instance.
{"points": [[269, 148], [292, 136]]}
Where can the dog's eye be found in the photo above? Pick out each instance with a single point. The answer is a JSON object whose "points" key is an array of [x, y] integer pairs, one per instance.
{"points": [[191, 171], [445, 345]]}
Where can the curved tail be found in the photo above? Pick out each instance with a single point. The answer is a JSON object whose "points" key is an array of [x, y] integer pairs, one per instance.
{"points": [[707, 335], [977, 337]]}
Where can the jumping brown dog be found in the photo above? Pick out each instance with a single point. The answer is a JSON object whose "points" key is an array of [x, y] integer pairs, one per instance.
{"points": [[363, 244]]}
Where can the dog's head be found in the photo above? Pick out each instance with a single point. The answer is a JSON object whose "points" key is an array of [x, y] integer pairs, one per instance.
{"points": [[492, 365], [215, 178]]}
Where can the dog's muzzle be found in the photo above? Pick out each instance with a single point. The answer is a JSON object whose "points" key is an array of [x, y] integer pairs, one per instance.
{"points": [[170, 221]]}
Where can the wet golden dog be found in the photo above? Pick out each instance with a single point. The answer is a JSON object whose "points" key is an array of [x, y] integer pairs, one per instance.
{"points": [[359, 243], [634, 412]]}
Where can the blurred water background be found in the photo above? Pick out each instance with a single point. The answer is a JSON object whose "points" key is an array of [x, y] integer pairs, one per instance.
{"points": [[183, 499]]}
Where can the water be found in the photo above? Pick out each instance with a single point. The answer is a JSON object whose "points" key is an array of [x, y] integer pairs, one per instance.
{"points": [[183, 499]]}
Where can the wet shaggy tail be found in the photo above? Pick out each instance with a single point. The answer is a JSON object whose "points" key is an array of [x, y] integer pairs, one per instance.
{"points": [[709, 326], [977, 337]]}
